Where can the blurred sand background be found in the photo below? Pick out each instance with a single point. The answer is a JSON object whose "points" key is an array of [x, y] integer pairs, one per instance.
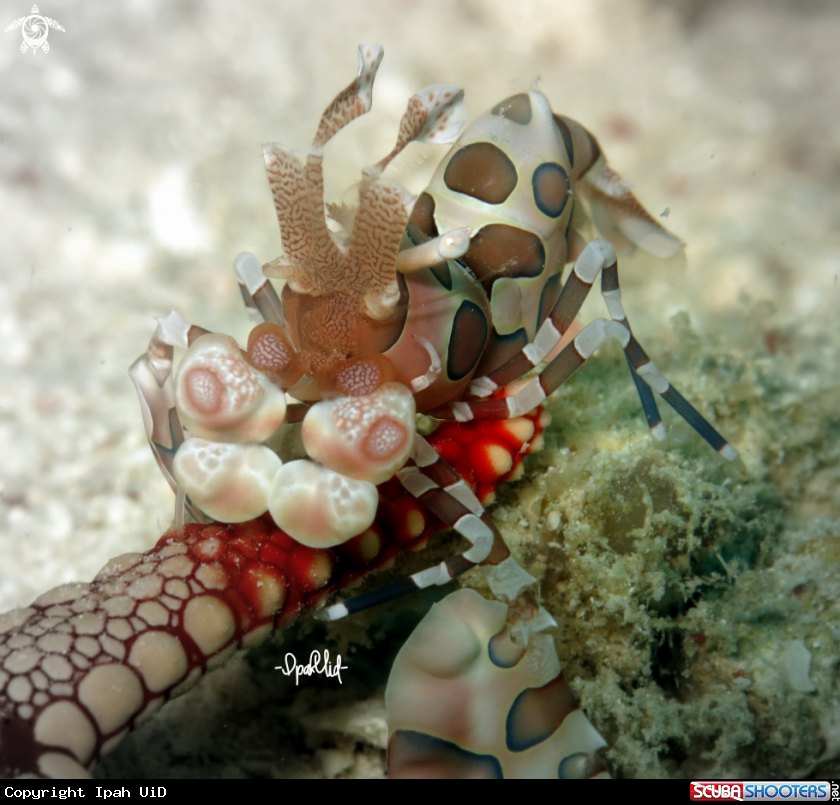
{"points": [[131, 175]]}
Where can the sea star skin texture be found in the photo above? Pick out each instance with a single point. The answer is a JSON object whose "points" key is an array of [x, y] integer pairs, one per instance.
{"points": [[87, 662]]}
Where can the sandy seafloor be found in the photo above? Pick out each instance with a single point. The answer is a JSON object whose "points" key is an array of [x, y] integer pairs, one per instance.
{"points": [[131, 175]]}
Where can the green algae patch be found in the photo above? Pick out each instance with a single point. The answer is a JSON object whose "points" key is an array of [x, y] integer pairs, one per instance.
{"points": [[682, 583]]}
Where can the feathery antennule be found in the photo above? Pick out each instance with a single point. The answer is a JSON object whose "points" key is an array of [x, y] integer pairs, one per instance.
{"points": [[384, 209], [298, 191], [365, 265], [151, 374], [292, 204], [354, 100], [435, 114]]}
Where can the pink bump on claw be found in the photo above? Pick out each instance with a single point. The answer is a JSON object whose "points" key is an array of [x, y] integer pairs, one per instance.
{"points": [[368, 437], [206, 392], [221, 397]]}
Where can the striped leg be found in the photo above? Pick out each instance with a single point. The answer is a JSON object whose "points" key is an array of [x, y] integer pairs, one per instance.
{"points": [[597, 256], [570, 360], [654, 420], [611, 292], [437, 486], [263, 304]]}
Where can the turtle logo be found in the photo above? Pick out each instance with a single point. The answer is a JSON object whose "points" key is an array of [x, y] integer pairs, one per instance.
{"points": [[36, 27]]}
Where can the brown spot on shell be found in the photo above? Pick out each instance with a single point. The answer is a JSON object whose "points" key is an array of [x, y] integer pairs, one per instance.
{"points": [[415, 755], [421, 225], [483, 171], [467, 340], [500, 250], [500, 349], [566, 136], [552, 189], [537, 713], [517, 109]]}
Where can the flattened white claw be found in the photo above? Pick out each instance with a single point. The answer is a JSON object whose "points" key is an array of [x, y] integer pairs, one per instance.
{"points": [[368, 437], [446, 110], [318, 507], [221, 397], [463, 671], [228, 482]]}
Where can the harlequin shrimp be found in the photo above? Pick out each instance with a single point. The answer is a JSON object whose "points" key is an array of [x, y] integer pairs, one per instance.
{"points": [[440, 305]]}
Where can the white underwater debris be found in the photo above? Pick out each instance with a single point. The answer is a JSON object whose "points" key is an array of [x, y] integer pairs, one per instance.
{"points": [[798, 665]]}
